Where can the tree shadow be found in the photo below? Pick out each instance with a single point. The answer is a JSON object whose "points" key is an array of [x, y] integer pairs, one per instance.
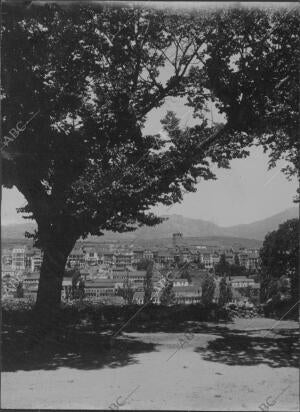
{"points": [[236, 347], [82, 350], [170, 326]]}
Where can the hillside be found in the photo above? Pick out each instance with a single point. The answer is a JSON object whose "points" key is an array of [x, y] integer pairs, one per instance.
{"points": [[191, 228], [259, 229]]}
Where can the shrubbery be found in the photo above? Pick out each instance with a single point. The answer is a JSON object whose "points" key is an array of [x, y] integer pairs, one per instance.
{"points": [[98, 315]]}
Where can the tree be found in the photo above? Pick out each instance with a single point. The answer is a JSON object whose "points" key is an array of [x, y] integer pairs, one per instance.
{"points": [[222, 268], [236, 260], [148, 283], [143, 264], [167, 297], [127, 292], [77, 84], [225, 294], [20, 290], [185, 274], [87, 77], [208, 290], [251, 81], [75, 280], [81, 289], [280, 258], [250, 293]]}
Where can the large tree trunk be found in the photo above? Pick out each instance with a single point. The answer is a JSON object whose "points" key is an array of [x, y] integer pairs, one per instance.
{"points": [[46, 319]]}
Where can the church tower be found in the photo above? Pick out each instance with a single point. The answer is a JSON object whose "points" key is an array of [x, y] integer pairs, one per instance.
{"points": [[177, 240]]}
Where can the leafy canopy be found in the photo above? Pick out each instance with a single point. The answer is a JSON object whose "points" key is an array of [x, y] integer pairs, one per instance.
{"points": [[280, 259], [90, 75]]}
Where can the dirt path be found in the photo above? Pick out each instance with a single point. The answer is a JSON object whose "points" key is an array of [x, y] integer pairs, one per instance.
{"points": [[213, 370]]}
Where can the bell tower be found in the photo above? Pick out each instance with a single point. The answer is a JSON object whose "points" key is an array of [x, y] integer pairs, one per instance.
{"points": [[177, 239]]}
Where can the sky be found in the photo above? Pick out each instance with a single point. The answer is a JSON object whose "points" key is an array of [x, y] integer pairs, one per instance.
{"points": [[247, 192]]}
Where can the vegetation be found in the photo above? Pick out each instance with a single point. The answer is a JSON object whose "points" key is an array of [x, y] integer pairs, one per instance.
{"points": [[280, 261], [126, 292], [225, 294], [185, 274], [148, 283], [250, 293], [167, 296], [87, 80], [208, 290], [224, 268], [20, 290], [143, 264]]}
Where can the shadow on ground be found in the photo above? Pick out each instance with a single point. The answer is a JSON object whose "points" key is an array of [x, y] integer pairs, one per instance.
{"points": [[236, 347], [83, 350], [86, 348]]}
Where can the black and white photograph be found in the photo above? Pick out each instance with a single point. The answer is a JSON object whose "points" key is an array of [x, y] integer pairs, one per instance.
{"points": [[150, 205]]}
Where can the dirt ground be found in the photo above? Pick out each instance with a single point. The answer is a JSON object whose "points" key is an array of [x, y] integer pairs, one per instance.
{"points": [[244, 365]]}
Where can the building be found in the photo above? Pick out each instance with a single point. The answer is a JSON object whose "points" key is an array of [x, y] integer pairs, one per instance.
{"points": [[185, 254], [240, 285], [76, 259], [100, 289], [229, 258], [137, 277], [252, 261], [66, 288], [91, 256], [187, 294], [7, 258], [148, 254], [207, 260], [164, 257], [31, 280], [215, 258], [7, 271], [138, 297], [36, 262], [241, 282], [123, 259], [243, 258], [19, 258], [30, 292], [180, 282], [177, 240], [138, 254], [109, 258]]}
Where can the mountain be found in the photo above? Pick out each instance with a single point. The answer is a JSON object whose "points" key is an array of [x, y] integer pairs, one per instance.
{"points": [[259, 229], [196, 228]]}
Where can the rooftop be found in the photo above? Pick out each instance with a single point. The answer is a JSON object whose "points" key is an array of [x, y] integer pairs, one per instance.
{"points": [[100, 283], [194, 289], [32, 276]]}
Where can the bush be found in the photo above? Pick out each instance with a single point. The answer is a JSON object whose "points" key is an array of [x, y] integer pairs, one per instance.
{"points": [[96, 315]]}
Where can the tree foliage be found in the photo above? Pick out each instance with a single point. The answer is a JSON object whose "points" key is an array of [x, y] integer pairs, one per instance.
{"points": [[20, 290], [148, 283], [208, 290], [143, 264], [126, 291], [253, 73], [222, 268], [279, 259], [167, 296], [225, 293], [81, 80]]}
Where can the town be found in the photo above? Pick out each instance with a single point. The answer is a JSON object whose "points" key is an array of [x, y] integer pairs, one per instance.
{"points": [[107, 273]]}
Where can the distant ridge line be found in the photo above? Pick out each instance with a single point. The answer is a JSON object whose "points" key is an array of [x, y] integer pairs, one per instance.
{"points": [[190, 227]]}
